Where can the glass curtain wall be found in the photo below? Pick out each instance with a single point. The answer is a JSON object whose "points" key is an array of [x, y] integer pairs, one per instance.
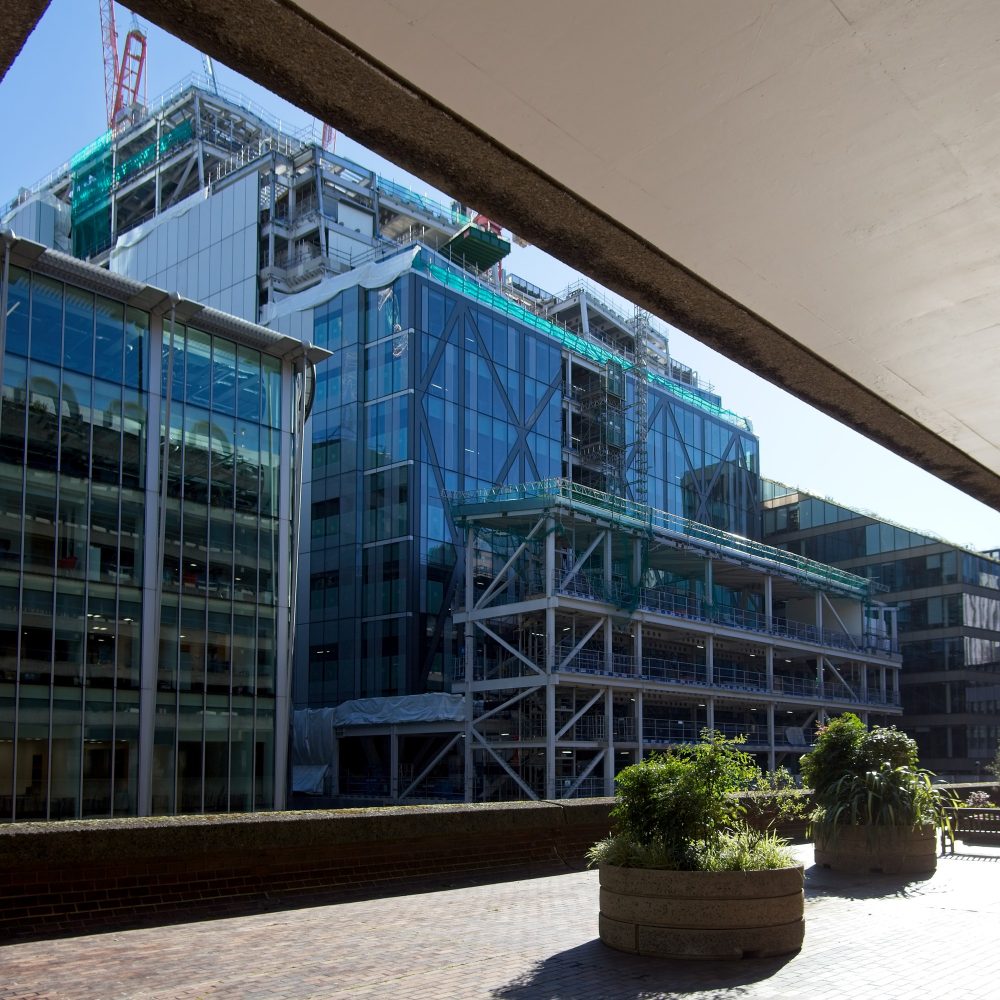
{"points": [[72, 456], [214, 735], [428, 392]]}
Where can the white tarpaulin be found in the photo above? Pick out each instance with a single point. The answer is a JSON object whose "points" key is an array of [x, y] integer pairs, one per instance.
{"points": [[313, 737]]}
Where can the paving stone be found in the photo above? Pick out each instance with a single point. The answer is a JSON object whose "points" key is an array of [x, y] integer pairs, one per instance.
{"points": [[536, 939]]}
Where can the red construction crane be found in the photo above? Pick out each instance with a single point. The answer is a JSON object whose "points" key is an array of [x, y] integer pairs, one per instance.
{"points": [[122, 79]]}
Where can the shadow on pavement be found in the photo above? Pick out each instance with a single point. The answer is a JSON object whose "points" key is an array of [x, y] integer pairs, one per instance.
{"points": [[593, 970], [821, 882]]}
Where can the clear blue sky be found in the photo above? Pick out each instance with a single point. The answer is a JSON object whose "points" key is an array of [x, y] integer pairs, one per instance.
{"points": [[52, 104]]}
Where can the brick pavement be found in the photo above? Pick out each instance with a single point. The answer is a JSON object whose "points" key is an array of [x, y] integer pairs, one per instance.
{"points": [[537, 938]]}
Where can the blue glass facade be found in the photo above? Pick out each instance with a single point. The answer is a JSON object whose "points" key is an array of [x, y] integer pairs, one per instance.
{"points": [[429, 391]]}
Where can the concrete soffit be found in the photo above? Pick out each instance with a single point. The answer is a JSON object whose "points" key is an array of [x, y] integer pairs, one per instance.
{"points": [[281, 47]]}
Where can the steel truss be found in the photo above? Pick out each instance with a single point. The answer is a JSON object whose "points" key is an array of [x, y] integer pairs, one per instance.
{"points": [[566, 681]]}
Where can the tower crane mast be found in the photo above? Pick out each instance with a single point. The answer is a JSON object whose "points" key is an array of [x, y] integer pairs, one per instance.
{"points": [[109, 39], [123, 78]]}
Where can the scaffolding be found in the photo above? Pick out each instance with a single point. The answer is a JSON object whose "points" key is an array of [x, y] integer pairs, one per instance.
{"points": [[562, 688]]}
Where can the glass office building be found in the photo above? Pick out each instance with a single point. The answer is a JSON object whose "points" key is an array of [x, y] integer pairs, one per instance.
{"points": [[147, 502], [948, 601], [435, 385]]}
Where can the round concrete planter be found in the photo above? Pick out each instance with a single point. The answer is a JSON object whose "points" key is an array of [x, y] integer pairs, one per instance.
{"points": [[713, 915], [881, 850]]}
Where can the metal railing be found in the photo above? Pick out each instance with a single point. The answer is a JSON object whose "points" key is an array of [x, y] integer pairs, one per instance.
{"points": [[639, 516]]}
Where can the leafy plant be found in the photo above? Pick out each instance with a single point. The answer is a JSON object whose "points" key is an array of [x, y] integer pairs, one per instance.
{"points": [[837, 752], [979, 800], [678, 810], [994, 768], [774, 797], [870, 778], [890, 796]]}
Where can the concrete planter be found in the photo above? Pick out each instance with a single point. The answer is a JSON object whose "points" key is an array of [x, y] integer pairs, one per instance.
{"points": [[883, 850], [715, 915]]}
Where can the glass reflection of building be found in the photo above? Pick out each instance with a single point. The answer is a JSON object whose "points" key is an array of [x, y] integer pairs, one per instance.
{"points": [[135, 680], [948, 601]]}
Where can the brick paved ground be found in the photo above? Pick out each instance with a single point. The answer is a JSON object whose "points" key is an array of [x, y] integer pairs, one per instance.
{"points": [[534, 939]]}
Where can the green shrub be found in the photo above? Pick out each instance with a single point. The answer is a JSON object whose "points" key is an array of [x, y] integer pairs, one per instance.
{"points": [[864, 777], [837, 752], [678, 810]]}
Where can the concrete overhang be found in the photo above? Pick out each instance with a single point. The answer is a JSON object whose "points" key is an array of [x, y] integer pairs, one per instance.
{"points": [[808, 186]]}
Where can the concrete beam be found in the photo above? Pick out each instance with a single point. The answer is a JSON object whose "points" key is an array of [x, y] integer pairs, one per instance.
{"points": [[19, 18], [305, 61]]}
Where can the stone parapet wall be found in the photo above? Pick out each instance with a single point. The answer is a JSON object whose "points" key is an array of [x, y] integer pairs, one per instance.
{"points": [[78, 876]]}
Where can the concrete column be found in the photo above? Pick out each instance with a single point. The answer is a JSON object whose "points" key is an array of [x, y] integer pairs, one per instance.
{"points": [[882, 689], [895, 687], [819, 610], [608, 553], [768, 600], [709, 583], [710, 659], [864, 684], [769, 667], [710, 713]]}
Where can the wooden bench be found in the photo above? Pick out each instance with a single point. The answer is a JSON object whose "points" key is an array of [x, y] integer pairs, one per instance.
{"points": [[971, 824]]}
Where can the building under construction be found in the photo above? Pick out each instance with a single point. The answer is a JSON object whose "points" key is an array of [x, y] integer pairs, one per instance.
{"points": [[526, 553]]}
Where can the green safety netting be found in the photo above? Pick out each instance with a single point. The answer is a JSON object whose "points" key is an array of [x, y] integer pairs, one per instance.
{"points": [[154, 151], [468, 286], [628, 512]]}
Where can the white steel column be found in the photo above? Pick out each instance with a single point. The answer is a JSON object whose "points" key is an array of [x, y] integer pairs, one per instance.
{"points": [[770, 737], [638, 725], [469, 636], [769, 667], [152, 562], [710, 713], [293, 387], [710, 659], [768, 599], [550, 659], [609, 752], [709, 583], [895, 687], [819, 611], [637, 647], [393, 764], [608, 553]]}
